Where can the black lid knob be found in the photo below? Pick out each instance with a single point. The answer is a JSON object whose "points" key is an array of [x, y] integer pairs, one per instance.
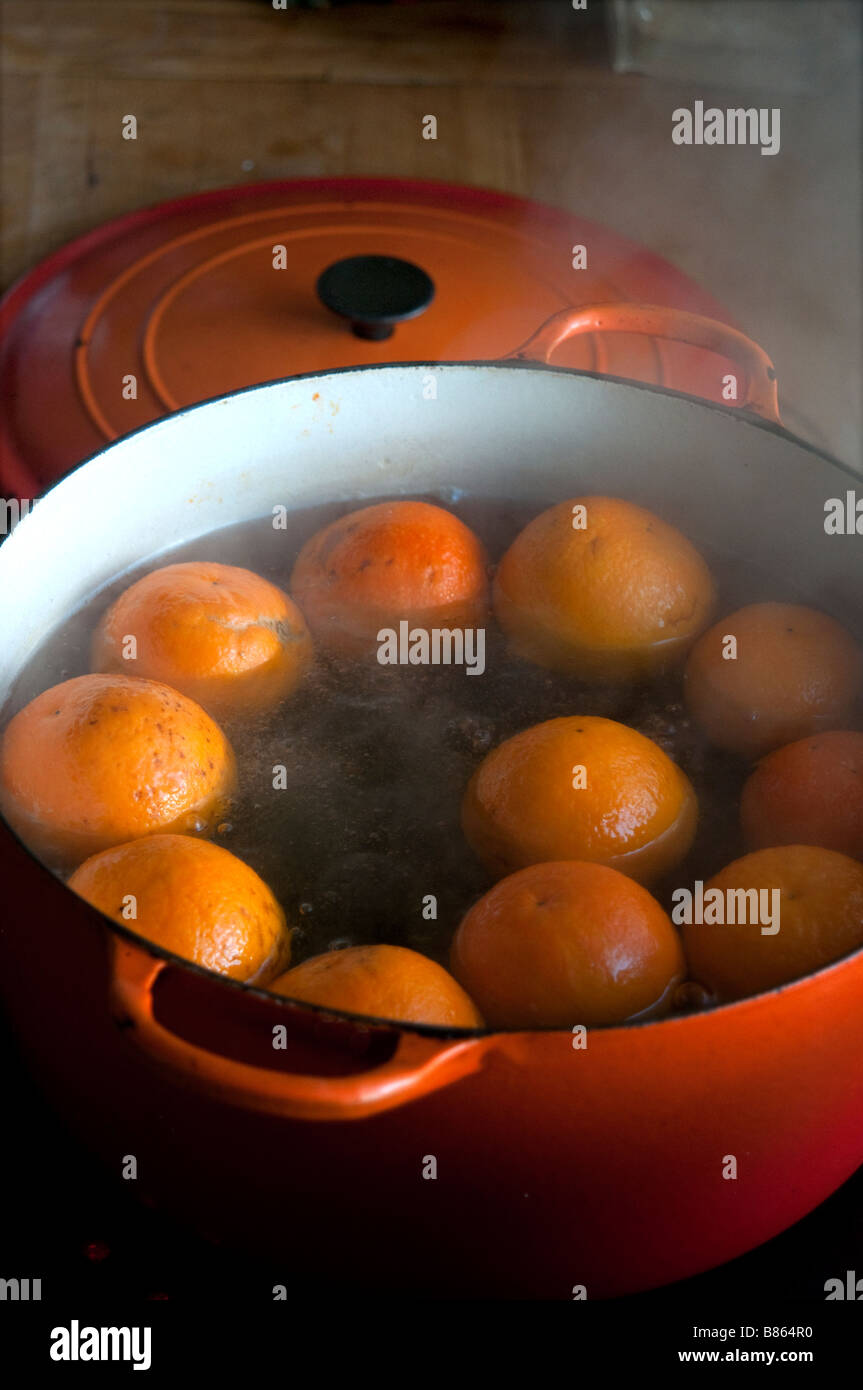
{"points": [[375, 293]]}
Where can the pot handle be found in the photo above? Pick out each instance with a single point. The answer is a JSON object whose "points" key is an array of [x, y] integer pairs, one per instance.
{"points": [[419, 1065], [658, 321]]}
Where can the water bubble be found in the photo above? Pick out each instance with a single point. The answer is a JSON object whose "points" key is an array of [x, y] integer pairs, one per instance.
{"points": [[470, 734], [690, 996]]}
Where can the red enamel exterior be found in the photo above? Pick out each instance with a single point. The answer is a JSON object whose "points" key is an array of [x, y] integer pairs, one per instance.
{"points": [[556, 1165]]}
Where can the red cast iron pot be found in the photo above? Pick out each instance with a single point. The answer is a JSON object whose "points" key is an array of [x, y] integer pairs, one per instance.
{"points": [[555, 1166]]}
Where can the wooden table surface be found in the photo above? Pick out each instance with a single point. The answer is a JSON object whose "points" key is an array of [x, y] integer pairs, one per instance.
{"points": [[227, 91]]}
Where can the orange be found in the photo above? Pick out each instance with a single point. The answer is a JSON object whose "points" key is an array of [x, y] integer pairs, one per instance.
{"points": [[99, 760], [193, 898], [618, 594], [222, 635], [580, 788], [559, 944], [795, 672], [820, 902], [388, 982], [808, 793], [392, 562]]}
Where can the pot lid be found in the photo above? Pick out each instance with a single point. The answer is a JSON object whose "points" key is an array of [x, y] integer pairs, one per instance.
{"points": [[210, 293]]}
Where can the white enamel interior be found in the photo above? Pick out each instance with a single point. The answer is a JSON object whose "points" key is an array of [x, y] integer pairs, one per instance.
{"points": [[500, 430]]}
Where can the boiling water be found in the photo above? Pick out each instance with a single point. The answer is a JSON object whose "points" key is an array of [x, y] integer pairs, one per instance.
{"points": [[378, 757]]}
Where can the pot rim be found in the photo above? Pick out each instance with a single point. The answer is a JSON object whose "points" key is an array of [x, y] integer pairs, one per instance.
{"points": [[426, 1029], [738, 413]]}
